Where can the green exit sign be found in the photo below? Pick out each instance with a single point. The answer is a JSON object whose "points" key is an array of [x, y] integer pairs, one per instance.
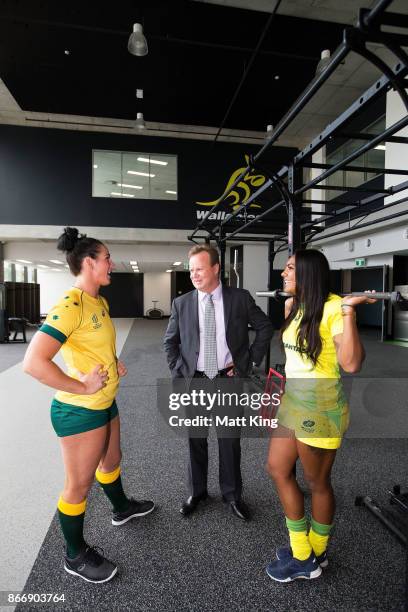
{"points": [[359, 263]]}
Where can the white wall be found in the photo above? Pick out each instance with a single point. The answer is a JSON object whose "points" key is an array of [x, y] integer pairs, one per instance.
{"points": [[157, 286], [52, 287], [255, 270]]}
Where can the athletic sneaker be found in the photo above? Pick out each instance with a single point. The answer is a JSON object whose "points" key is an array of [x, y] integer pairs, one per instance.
{"points": [[286, 570], [136, 508], [285, 552], [91, 565]]}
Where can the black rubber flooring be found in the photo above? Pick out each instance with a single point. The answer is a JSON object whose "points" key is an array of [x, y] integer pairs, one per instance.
{"points": [[212, 561]]}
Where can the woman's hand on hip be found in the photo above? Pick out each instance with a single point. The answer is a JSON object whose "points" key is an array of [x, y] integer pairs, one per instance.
{"points": [[122, 369], [95, 380]]}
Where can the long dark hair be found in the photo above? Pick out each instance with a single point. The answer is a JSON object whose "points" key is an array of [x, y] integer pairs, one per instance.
{"points": [[312, 291], [77, 246]]}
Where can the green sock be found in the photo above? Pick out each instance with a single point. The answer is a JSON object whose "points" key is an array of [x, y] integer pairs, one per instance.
{"points": [[71, 517], [319, 536], [111, 483]]}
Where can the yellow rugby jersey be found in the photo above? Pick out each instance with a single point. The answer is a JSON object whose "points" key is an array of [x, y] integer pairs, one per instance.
{"points": [[297, 363], [83, 325]]}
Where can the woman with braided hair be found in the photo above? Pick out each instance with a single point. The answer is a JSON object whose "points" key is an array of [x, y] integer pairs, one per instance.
{"points": [[84, 413]]}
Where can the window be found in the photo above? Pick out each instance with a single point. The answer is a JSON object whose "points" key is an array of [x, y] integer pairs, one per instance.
{"points": [[372, 159], [141, 176]]}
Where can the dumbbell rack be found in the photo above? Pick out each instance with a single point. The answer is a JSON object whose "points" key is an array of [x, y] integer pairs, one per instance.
{"points": [[394, 521]]}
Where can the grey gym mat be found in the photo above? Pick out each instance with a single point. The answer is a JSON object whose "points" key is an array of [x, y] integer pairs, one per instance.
{"points": [[212, 561]]}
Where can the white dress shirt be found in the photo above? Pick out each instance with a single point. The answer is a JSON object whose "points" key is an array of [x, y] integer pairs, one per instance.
{"points": [[224, 357]]}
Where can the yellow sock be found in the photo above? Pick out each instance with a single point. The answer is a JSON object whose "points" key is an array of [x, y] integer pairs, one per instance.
{"points": [[319, 537], [299, 541]]}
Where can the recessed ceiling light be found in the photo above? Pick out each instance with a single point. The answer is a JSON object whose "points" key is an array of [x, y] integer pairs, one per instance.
{"points": [[136, 271], [177, 263], [130, 186], [56, 269], [66, 51], [124, 195], [152, 161], [133, 263], [95, 166], [169, 191], [276, 77], [139, 93], [56, 261], [24, 261], [42, 266], [380, 147], [141, 173], [169, 270]]}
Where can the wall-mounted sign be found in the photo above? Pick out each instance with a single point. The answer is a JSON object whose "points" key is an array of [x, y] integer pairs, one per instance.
{"points": [[360, 263]]}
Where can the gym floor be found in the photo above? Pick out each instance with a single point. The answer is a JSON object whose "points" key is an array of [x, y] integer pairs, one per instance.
{"points": [[209, 561]]}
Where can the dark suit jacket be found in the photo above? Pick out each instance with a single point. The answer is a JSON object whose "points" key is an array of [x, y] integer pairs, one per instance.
{"points": [[182, 338]]}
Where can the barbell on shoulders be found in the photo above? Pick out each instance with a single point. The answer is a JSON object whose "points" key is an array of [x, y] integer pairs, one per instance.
{"points": [[394, 297]]}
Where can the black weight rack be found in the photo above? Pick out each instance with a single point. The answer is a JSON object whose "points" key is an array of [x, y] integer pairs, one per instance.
{"points": [[394, 518]]}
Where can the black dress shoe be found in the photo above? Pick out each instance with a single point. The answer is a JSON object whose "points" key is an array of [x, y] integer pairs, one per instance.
{"points": [[239, 509], [191, 504]]}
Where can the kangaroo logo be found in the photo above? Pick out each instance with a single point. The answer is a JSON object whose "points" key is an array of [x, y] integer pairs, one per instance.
{"points": [[240, 194]]}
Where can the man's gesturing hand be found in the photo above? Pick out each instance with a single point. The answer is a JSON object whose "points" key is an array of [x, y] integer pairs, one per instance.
{"points": [[95, 380]]}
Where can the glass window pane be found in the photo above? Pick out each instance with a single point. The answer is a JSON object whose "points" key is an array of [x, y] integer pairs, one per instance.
{"points": [[134, 175]]}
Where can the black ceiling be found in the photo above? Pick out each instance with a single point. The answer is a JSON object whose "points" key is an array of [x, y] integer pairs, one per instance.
{"points": [[198, 53]]}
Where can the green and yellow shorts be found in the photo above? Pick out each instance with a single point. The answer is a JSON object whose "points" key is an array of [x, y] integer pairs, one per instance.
{"points": [[68, 419], [316, 411]]}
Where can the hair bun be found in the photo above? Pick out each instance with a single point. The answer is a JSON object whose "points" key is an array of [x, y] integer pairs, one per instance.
{"points": [[68, 239]]}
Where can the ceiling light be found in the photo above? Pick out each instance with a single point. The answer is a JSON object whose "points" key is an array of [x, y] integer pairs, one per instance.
{"points": [[170, 191], [95, 166], [169, 270], [42, 266], [133, 263], [140, 122], [152, 161], [139, 93], [137, 44], [141, 173], [57, 261], [56, 269], [136, 271], [124, 195], [130, 186], [24, 261], [380, 147], [324, 61], [177, 263], [268, 133]]}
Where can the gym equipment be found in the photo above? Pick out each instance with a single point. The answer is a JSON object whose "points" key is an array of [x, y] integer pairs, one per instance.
{"points": [[154, 313], [3, 320], [394, 297], [394, 521]]}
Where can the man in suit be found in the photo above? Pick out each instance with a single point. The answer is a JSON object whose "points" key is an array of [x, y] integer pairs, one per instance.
{"points": [[207, 337]]}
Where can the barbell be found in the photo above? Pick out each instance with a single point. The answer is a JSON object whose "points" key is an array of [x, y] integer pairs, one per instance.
{"points": [[394, 297]]}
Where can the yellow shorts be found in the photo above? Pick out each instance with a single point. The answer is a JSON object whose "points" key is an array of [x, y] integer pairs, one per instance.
{"points": [[327, 443]]}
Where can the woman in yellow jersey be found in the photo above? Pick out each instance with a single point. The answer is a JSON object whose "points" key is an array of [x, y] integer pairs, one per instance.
{"points": [[84, 413], [319, 335]]}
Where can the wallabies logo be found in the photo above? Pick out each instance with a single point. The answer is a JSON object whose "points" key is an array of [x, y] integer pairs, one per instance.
{"points": [[308, 426], [96, 324]]}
